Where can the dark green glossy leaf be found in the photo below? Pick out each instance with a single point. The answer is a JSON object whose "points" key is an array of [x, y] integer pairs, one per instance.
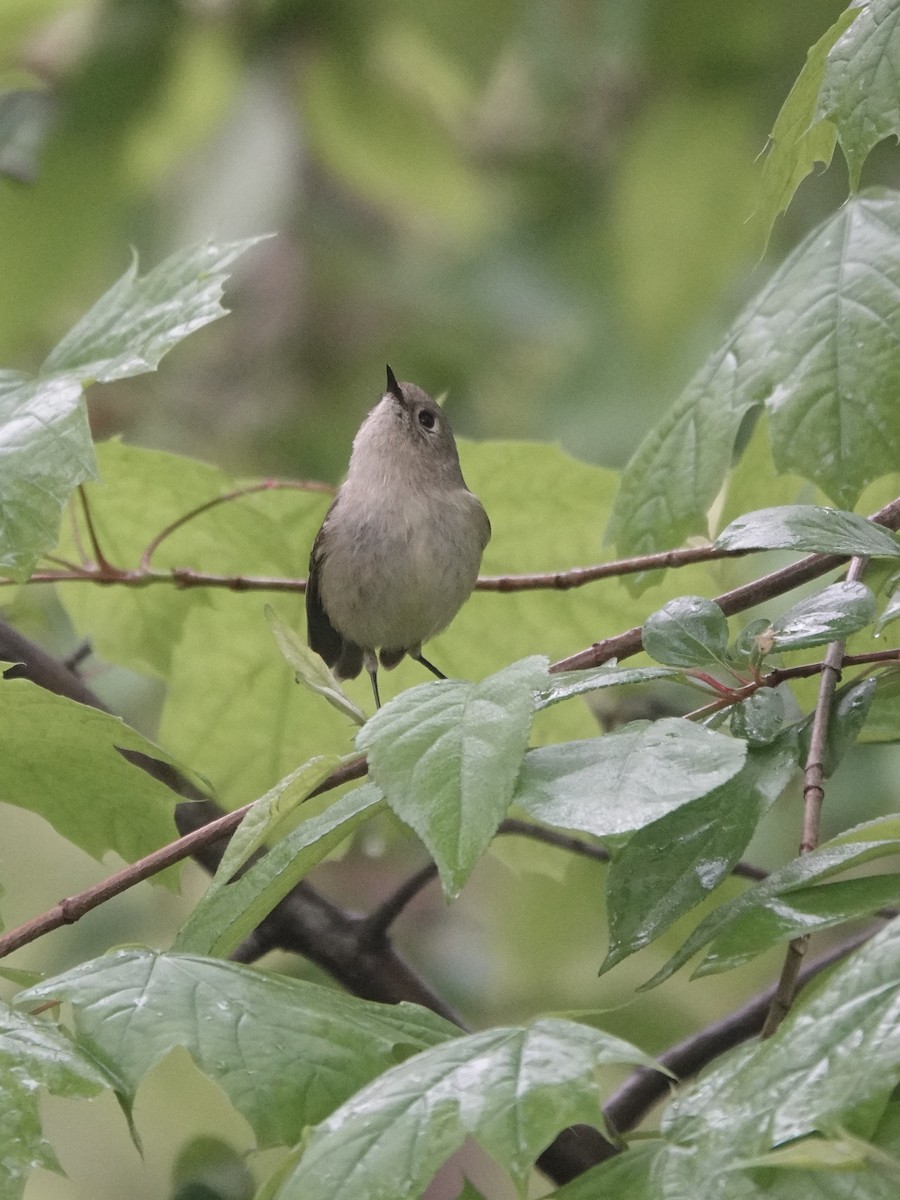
{"points": [[828, 616], [689, 631], [759, 719], [810, 528], [833, 1062], [624, 780], [796, 913], [567, 684], [670, 865], [872, 840], [447, 756]]}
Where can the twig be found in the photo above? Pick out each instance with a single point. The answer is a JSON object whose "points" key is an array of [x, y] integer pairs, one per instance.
{"points": [[813, 798], [267, 485], [73, 908], [624, 645], [578, 576], [92, 532]]}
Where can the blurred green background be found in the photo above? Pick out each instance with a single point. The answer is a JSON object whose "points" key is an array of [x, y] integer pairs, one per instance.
{"points": [[543, 209]]}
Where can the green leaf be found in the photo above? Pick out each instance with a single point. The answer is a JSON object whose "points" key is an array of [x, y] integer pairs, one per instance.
{"points": [[284, 1051], [833, 1062], [511, 1089], [567, 684], [33, 1055], [45, 442], [891, 610], [828, 616], [829, 388], [800, 137], [626, 779], [811, 528], [310, 669], [799, 912], [212, 635], [874, 839], [140, 319], [45, 453], [227, 914], [62, 760], [859, 89], [672, 864], [627, 1176], [845, 722], [273, 815], [447, 756], [760, 718], [687, 632], [883, 718]]}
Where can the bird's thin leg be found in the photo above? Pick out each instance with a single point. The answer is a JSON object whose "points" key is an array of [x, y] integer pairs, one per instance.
{"points": [[419, 658], [371, 665]]}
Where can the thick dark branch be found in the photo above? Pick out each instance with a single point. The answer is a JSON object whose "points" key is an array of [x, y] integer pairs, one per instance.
{"points": [[628, 1106]]}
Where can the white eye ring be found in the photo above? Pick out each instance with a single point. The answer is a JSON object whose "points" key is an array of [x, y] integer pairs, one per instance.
{"points": [[426, 419]]}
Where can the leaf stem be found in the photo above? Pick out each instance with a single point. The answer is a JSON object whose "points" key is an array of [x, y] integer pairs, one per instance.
{"points": [[267, 485]]}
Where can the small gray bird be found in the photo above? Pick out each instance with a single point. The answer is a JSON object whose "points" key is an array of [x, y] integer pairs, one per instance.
{"points": [[400, 548]]}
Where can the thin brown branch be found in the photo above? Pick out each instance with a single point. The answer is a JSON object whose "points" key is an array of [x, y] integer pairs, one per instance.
{"points": [[92, 532], [776, 583], [579, 576], [813, 798], [267, 485], [72, 908]]}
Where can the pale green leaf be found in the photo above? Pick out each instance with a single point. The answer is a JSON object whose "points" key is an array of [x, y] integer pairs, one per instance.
{"points": [[447, 756], [627, 1176], [859, 89], [141, 318], [800, 136], [310, 669], [227, 914], [62, 760], [284, 1051], [45, 453], [35, 1054], [816, 350], [273, 815], [511, 1089]]}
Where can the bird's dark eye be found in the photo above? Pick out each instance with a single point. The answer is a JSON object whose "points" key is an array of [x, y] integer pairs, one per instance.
{"points": [[426, 419]]}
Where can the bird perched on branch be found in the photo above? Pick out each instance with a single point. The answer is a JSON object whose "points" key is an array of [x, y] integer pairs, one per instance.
{"points": [[400, 547]]}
